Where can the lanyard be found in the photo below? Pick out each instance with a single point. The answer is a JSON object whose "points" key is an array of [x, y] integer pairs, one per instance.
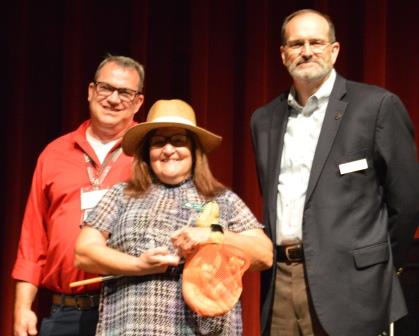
{"points": [[96, 179]]}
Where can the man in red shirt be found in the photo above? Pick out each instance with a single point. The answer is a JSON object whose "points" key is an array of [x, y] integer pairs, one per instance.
{"points": [[71, 175]]}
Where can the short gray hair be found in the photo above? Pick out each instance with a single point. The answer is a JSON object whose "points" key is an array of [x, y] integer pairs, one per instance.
{"points": [[125, 62], [332, 33]]}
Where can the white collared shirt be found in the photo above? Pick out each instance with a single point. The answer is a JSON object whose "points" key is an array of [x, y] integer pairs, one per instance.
{"points": [[300, 141]]}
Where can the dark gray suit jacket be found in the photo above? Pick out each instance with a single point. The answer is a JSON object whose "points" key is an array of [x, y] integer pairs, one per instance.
{"points": [[356, 226]]}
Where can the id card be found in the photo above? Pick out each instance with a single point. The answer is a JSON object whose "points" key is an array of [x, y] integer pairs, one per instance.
{"points": [[89, 199]]}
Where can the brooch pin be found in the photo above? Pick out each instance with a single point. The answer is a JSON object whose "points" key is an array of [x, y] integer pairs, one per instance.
{"points": [[195, 206]]}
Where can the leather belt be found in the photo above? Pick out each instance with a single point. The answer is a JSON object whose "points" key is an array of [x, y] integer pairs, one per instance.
{"points": [[81, 302], [290, 253]]}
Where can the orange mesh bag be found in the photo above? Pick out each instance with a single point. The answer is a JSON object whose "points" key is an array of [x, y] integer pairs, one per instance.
{"points": [[212, 278]]}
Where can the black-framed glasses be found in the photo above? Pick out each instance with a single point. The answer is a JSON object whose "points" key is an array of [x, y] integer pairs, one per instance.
{"points": [[176, 140], [316, 45], [105, 90]]}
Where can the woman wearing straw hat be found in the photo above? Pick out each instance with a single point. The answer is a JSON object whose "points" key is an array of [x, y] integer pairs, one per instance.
{"points": [[140, 228]]}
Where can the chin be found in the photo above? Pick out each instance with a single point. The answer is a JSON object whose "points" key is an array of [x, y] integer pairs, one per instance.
{"points": [[108, 120], [309, 76], [173, 179]]}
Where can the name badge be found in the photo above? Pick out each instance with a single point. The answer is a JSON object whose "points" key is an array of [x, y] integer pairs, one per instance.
{"points": [[353, 166], [89, 199]]}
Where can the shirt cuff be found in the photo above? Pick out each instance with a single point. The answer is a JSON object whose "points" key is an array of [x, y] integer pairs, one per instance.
{"points": [[27, 271]]}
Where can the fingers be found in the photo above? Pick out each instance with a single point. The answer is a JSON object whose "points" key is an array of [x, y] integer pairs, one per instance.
{"points": [[187, 240], [170, 260], [182, 242], [156, 260], [160, 256], [32, 331], [25, 323]]}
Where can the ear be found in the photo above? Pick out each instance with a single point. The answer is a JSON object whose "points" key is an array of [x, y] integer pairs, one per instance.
{"points": [[282, 52], [138, 102], [90, 92], [335, 51]]}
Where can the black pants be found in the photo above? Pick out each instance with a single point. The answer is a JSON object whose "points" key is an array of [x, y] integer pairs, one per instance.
{"points": [[68, 321]]}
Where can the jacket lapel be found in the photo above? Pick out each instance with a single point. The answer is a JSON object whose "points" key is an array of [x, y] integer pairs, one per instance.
{"points": [[276, 143], [334, 114]]}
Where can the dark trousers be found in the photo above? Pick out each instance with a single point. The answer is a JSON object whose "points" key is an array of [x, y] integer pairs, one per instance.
{"points": [[68, 321]]}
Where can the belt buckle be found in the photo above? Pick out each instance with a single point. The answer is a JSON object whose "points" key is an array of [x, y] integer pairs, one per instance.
{"points": [[92, 301], [76, 301], [288, 252]]}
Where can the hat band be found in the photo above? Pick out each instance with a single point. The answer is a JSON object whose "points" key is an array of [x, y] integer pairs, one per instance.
{"points": [[174, 119]]}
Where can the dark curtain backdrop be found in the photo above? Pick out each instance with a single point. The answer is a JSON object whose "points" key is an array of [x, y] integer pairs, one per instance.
{"points": [[221, 55]]}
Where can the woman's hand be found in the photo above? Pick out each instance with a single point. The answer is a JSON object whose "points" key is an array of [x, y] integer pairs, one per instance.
{"points": [[94, 256], [187, 239], [156, 260]]}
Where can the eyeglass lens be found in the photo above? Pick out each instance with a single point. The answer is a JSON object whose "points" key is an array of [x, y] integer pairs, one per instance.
{"points": [[105, 89], [176, 140], [314, 44]]}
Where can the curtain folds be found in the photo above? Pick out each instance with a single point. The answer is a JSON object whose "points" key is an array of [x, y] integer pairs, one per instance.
{"points": [[222, 56]]}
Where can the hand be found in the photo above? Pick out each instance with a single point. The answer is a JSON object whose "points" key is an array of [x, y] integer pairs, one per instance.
{"points": [[156, 260], [25, 322], [187, 239]]}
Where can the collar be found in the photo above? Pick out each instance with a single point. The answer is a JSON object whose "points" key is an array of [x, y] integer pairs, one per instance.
{"points": [[172, 186]]}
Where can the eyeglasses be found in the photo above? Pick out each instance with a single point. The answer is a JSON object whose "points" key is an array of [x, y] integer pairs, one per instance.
{"points": [[316, 45], [176, 140], [105, 90]]}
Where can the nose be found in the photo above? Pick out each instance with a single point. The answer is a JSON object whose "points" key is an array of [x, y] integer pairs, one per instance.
{"points": [[114, 97], [306, 50], [168, 149]]}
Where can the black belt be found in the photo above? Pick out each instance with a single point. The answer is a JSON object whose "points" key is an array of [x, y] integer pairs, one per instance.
{"points": [[81, 301], [290, 253]]}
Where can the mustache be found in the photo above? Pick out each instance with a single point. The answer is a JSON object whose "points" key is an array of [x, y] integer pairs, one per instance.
{"points": [[303, 60]]}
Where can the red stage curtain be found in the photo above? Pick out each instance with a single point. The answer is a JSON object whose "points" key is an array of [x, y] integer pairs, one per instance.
{"points": [[220, 55]]}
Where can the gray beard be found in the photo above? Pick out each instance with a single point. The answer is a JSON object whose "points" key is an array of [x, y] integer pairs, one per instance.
{"points": [[310, 77]]}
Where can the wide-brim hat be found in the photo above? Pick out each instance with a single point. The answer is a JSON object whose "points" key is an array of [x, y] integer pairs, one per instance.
{"points": [[169, 113]]}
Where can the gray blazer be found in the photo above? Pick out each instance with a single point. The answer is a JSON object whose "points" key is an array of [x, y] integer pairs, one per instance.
{"points": [[356, 226]]}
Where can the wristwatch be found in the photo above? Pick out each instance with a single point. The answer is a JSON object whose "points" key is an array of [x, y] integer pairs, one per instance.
{"points": [[217, 233]]}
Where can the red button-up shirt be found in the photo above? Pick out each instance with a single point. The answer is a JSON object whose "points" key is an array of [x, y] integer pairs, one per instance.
{"points": [[53, 213]]}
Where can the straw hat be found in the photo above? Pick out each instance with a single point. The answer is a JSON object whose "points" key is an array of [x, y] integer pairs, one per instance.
{"points": [[169, 113]]}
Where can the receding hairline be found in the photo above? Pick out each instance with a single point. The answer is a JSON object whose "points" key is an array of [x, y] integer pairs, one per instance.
{"points": [[332, 33]]}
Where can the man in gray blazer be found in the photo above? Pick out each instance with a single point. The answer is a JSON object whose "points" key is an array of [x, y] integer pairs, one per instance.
{"points": [[340, 182]]}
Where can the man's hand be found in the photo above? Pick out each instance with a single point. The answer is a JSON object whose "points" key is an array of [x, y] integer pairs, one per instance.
{"points": [[25, 318], [25, 322]]}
